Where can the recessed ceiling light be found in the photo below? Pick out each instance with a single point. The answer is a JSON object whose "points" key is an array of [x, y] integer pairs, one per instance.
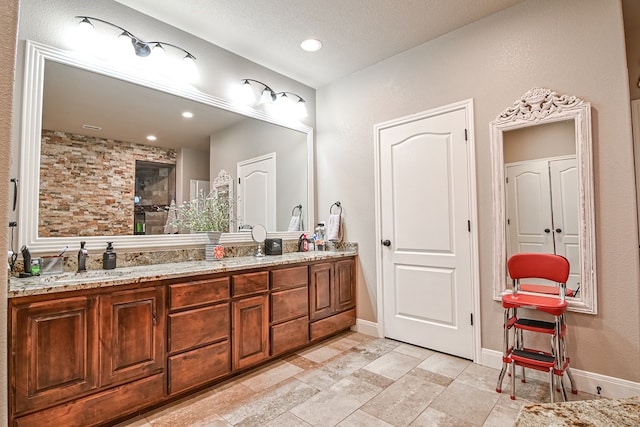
{"points": [[151, 138], [187, 114], [91, 127], [311, 45]]}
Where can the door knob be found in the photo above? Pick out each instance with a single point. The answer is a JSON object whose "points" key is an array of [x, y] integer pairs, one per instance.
{"points": [[558, 230], [386, 242], [546, 230]]}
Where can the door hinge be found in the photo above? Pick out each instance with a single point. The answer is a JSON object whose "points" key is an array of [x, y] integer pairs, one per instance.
{"points": [[238, 180], [471, 316], [507, 180], [508, 221], [466, 136], [469, 225]]}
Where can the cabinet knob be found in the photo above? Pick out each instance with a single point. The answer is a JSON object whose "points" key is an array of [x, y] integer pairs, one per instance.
{"points": [[386, 242], [546, 230], [558, 230]]}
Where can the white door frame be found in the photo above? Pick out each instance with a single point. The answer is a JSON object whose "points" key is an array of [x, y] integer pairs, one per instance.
{"points": [[466, 105]]}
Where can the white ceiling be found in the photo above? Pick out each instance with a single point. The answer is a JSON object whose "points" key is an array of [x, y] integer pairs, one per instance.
{"points": [[355, 33]]}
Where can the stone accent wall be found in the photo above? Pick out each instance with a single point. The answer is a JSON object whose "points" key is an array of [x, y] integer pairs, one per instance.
{"points": [[87, 184]]}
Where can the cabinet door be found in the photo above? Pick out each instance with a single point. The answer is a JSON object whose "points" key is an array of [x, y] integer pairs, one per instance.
{"points": [[321, 291], [345, 289], [132, 334], [250, 331], [55, 347]]}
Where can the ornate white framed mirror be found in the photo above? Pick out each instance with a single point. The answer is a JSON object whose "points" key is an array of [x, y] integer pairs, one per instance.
{"points": [[541, 153], [230, 123]]}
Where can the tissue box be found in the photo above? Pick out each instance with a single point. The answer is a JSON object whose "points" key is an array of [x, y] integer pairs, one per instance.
{"points": [[273, 246], [52, 265]]}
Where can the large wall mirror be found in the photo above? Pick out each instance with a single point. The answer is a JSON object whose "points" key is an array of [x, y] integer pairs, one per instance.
{"points": [[88, 171], [541, 152]]}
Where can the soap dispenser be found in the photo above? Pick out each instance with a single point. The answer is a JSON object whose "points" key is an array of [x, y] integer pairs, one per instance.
{"points": [[109, 257]]}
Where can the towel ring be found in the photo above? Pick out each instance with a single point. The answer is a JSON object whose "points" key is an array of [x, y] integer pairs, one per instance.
{"points": [[293, 211], [338, 205]]}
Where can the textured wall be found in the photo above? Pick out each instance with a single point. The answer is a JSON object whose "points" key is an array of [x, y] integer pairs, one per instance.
{"points": [[574, 47], [87, 184], [8, 30]]}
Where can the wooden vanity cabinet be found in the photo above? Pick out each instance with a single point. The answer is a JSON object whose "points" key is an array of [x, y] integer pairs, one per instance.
{"points": [[199, 329], [54, 351], [250, 319], [332, 290], [289, 309], [132, 324], [87, 357]]}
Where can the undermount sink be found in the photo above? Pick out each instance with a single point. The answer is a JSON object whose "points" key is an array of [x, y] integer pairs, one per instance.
{"points": [[85, 276]]}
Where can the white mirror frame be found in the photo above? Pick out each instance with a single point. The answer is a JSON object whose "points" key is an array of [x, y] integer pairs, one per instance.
{"points": [[540, 106], [34, 64]]}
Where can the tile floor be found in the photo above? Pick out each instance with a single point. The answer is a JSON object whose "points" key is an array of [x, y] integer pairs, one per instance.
{"points": [[355, 380]]}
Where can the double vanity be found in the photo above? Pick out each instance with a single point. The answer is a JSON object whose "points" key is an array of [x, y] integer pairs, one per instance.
{"points": [[90, 348]]}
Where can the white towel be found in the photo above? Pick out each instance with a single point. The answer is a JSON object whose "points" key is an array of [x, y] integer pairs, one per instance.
{"points": [[294, 224], [334, 228]]}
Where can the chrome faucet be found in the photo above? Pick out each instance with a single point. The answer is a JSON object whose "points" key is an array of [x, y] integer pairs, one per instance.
{"points": [[82, 258]]}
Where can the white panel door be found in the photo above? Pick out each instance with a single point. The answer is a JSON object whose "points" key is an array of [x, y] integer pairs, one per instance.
{"points": [[257, 191], [529, 218], [564, 191], [424, 206]]}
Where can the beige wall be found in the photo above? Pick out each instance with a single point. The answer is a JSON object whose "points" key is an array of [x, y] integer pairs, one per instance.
{"points": [[573, 47], [8, 30]]}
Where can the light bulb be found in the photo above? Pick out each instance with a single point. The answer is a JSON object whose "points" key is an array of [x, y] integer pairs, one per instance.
{"points": [[300, 110], [245, 94], [85, 26], [157, 52], [189, 69], [266, 97]]}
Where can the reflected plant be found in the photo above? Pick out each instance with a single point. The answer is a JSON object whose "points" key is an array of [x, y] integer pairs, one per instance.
{"points": [[206, 213]]}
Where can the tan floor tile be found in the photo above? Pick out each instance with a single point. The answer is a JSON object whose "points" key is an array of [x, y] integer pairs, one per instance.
{"points": [[372, 378], [269, 404], [401, 402], [343, 343], [501, 416], [414, 351], [287, 420], [301, 362], [320, 354], [433, 418], [375, 348], [480, 377], [360, 419], [445, 364], [201, 408], [467, 403], [393, 365], [271, 375], [331, 406]]}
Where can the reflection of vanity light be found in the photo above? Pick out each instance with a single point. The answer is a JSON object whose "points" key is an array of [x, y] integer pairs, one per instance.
{"points": [[277, 103], [151, 138], [187, 114]]}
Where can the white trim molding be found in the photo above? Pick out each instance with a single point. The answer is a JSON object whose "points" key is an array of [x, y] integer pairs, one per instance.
{"points": [[587, 382]]}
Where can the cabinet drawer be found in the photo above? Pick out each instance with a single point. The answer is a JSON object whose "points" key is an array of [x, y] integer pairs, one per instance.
{"points": [[330, 325], [197, 327], [289, 277], [200, 366], [289, 304], [201, 292], [289, 335], [250, 283]]}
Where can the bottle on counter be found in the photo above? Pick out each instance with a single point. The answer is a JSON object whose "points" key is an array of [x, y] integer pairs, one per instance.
{"points": [[320, 236], [109, 257]]}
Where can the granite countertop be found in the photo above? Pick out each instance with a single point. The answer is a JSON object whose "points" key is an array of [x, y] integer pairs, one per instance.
{"points": [[585, 413], [70, 281]]}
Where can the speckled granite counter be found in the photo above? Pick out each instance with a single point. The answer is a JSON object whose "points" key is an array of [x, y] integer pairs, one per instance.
{"points": [[592, 413], [131, 275]]}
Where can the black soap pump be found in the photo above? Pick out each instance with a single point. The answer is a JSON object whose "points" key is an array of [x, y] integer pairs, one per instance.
{"points": [[109, 257]]}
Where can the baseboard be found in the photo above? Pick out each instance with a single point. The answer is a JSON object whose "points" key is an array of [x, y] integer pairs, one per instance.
{"points": [[588, 382], [367, 327]]}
